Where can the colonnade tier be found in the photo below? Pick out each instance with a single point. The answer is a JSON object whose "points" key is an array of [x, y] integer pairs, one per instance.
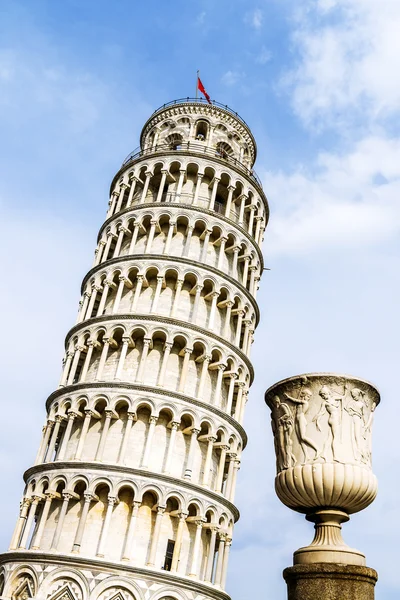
{"points": [[181, 183], [136, 469], [201, 121], [137, 518], [185, 220], [179, 440], [163, 355], [193, 275]]}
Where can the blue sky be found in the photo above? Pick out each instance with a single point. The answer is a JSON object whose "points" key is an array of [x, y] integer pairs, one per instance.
{"points": [[318, 86]]}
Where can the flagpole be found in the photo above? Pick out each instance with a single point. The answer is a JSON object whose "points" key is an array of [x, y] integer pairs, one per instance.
{"points": [[197, 83]]}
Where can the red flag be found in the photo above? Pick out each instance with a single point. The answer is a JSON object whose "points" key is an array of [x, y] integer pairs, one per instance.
{"points": [[202, 89]]}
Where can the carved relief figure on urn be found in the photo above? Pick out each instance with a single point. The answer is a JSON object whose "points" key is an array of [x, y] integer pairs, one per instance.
{"points": [[334, 413]]}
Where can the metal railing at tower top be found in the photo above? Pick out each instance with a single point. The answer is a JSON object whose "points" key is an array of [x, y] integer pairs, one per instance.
{"points": [[202, 101], [197, 148]]}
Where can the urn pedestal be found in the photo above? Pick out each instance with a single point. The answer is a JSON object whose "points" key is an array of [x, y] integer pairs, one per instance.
{"points": [[322, 426]]}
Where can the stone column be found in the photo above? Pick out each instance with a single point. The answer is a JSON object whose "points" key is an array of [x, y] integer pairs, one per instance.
{"points": [[145, 187], [130, 538], [207, 464], [234, 270], [64, 507], [171, 445], [157, 293], [43, 446], [172, 225], [186, 358], [77, 355], [167, 350], [228, 207], [204, 370], [135, 233], [213, 193], [178, 542], [220, 560], [149, 439], [103, 358], [239, 398], [122, 231], [125, 345], [142, 364], [236, 468], [88, 415], [112, 501], [227, 323], [138, 289], [28, 525], [246, 263], [258, 220], [221, 467], [251, 219], [221, 253], [229, 479], [218, 386], [182, 173], [121, 194], [228, 545], [131, 191], [192, 449], [43, 518], [155, 537], [198, 287], [67, 366], [103, 438], [85, 303], [99, 253], [179, 284], [88, 498], [330, 581], [241, 210], [67, 433], [189, 233], [211, 554], [233, 377], [196, 548], [197, 190], [49, 455], [162, 184], [151, 236], [95, 290], [110, 237], [103, 298], [123, 281], [240, 314], [124, 445], [214, 298], [25, 504], [206, 240]]}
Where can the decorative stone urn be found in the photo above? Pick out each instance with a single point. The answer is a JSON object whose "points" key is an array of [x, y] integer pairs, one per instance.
{"points": [[322, 433]]}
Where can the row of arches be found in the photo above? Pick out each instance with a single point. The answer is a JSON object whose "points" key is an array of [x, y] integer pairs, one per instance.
{"points": [[157, 440], [197, 185], [182, 236], [142, 526], [169, 292], [156, 357]]}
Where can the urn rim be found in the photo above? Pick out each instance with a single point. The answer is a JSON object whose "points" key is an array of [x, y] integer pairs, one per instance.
{"points": [[315, 375]]}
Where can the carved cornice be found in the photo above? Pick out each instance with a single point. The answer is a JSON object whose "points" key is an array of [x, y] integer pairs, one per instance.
{"points": [[165, 320], [153, 390], [103, 566], [173, 259], [172, 205], [124, 471]]}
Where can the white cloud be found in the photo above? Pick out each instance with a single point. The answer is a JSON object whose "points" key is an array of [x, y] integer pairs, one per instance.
{"points": [[264, 56], [349, 55], [254, 19], [345, 200], [231, 77]]}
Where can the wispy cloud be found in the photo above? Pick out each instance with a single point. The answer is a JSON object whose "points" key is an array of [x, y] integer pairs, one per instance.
{"points": [[254, 18], [263, 56], [231, 77]]}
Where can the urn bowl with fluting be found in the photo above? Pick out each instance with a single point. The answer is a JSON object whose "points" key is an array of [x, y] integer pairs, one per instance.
{"points": [[322, 425]]}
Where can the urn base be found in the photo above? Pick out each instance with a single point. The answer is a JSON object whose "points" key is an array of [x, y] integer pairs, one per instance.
{"points": [[330, 582], [328, 545]]}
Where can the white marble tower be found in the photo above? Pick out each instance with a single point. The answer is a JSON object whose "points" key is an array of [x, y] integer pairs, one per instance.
{"points": [[131, 496]]}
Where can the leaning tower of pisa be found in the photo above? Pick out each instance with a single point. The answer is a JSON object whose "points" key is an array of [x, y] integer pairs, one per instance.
{"points": [[131, 495]]}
